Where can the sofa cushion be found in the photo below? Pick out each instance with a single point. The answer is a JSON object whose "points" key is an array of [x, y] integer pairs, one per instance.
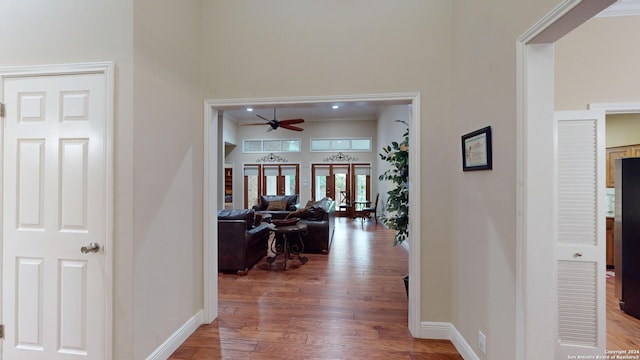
{"points": [[277, 205], [247, 215], [265, 200]]}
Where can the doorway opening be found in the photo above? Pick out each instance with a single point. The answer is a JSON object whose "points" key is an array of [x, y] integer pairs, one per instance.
{"points": [[536, 140], [214, 160]]}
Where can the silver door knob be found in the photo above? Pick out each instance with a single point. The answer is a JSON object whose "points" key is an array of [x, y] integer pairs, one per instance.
{"points": [[91, 248]]}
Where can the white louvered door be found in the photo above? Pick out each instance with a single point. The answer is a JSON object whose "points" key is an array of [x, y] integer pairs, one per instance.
{"points": [[54, 203], [580, 233]]}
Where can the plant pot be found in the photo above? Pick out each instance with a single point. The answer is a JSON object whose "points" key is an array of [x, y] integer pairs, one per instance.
{"points": [[406, 284]]}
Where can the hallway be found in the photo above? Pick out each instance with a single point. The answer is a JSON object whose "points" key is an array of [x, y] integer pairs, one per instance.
{"points": [[349, 304]]}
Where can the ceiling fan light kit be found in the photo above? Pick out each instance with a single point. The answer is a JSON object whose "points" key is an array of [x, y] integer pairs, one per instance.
{"points": [[275, 123]]}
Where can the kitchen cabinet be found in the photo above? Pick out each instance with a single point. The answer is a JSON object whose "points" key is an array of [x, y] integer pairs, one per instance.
{"points": [[609, 245], [619, 152]]}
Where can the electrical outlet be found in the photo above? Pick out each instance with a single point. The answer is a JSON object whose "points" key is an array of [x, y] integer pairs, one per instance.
{"points": [[482, 342]]}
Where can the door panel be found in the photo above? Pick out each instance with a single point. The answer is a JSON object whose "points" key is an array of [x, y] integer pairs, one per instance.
{"points": [[321, 183], [580, 233], [54, 203]]}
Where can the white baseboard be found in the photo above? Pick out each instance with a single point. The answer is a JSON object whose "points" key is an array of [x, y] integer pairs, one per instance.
{"points": [[446, 331], [177, 338], [405, 245], [435, 330]]}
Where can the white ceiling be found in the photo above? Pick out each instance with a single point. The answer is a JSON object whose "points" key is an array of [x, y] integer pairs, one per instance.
{"points": [[310, 112], [622, 8]]}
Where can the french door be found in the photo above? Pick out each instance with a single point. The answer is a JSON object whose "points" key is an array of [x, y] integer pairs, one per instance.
{"points": [[331, 180], [270, 179], [280, 179], [252, 185], [347, 184], [361, 185]]}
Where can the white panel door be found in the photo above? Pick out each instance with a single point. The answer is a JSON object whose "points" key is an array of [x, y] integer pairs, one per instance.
{"points": [[580, 234], [54, 203]]}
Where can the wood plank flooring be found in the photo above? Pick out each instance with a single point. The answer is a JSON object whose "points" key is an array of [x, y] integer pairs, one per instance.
{"points": [[349, 304], [623, 330]]}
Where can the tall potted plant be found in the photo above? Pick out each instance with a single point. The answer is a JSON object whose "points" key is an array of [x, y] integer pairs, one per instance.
{"points": [[396, 209]]}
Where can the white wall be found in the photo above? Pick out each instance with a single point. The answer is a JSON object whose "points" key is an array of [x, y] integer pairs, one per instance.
{"points": [[230, 131], [312, 129], [388, 131]]}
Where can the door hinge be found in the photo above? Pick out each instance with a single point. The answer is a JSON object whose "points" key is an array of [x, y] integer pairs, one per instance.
{"points": [[1, 110], [1, 331]]}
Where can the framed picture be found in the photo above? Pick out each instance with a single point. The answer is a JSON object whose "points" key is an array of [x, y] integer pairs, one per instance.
{"points": [[476, 150]]}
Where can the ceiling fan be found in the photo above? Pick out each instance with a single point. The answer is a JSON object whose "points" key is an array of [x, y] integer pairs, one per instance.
{"points": [[275, 123]]}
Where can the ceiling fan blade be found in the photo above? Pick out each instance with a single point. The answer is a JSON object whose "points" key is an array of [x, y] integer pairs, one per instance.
{"points": [[245, 124], [290, 127], [263, 118], [292, 121]]}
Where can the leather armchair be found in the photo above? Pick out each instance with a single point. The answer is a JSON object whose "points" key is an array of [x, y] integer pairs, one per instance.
{"points": [[241, 243]]}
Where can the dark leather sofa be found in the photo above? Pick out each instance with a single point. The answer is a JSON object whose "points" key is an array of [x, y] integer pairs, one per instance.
{"points": [[267, 205], [320, 220], [241, 242]]}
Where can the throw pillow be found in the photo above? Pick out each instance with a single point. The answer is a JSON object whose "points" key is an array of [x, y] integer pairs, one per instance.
{"points": [[315, 213], [277, 205], [300, 213]]}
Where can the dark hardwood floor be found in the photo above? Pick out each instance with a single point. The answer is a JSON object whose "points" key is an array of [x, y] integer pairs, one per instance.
{"points": [[623, 330], [349, 304]]}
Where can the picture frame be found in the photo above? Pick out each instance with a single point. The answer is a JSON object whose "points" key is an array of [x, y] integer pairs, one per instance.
{"points": [[476, 150]]}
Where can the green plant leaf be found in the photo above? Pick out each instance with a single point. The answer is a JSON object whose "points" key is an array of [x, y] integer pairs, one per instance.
{"points": [[396, 207]]}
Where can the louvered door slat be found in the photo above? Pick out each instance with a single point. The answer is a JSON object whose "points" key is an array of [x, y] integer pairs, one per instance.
{"points": [[579, 252]]}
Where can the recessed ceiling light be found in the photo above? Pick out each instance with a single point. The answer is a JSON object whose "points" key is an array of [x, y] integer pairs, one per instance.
{"points": [[249, 109], [335, 107]]}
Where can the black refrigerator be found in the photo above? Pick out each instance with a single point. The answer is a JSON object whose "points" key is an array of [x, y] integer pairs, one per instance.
{"points": [[627, 235]]}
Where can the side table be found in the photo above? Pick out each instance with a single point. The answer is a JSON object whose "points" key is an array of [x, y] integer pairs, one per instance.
{"points": [[291, 243]]}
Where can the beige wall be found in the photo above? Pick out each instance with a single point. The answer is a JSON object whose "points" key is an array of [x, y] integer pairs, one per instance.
{"points": [[467, 80], [257, 49], [623, 129], [37, 32], [465, 70], [168, 149], [483, 203], [158, 136], [598, 63]]}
